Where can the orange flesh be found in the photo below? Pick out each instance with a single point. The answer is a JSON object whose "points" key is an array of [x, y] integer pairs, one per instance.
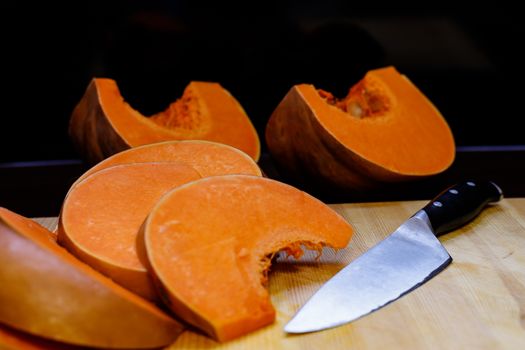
{"points": [[210, 242], [388, 121], [205, 111], [103, 213], [208, 158]]}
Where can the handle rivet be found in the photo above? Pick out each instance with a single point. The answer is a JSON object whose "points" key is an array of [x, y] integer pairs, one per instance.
{"points": [[454, 191], [437, 204], [470, 183]]}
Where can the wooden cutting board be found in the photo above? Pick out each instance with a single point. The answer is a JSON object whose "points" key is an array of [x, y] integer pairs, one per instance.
{"points": [[478, 302]]}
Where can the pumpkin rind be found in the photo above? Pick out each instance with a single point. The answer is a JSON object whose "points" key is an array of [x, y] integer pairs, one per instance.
{"points": [[48, 292]]}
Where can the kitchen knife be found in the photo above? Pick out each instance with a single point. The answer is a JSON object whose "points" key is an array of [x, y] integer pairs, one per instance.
{"points": [[403, 261]]}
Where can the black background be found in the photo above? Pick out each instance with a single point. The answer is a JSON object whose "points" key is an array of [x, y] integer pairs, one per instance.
{"points": [[467, 61]]}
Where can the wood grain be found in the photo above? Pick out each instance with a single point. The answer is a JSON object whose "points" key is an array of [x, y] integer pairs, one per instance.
{"points": [[478, 302]]}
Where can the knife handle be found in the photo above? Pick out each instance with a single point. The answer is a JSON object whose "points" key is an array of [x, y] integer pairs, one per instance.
{"points": [[460, 203]]}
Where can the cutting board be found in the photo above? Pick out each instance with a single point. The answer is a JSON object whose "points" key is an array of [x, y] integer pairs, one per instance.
{"points": [[478, 302]]}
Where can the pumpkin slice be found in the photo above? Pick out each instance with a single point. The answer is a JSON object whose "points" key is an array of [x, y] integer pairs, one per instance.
{"points": [[49, 293], [384, 131], [102, 214], [208, 158], [209, 244], [11, 339], [103, 124]]}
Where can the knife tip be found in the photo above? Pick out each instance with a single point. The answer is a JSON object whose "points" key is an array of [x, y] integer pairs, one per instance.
{"points": [[292, 328], [297, 328]]}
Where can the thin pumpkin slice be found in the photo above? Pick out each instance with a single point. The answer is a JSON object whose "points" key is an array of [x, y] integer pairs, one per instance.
{"points": [[208, 158], [47, 292], [385, 130], [103, 124], [209, 245], [102, 214]]}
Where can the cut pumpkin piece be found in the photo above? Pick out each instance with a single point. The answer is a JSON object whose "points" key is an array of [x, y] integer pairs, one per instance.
{"points": [[11, 339], [49, 293], [103, 124], [384, 131], [102, 214], [208, 158], [209, 245]]}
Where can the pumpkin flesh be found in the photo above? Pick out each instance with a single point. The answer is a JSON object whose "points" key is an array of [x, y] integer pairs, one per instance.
{"points": [[209, 244], [394, 126], [207, 158], [102, 214]]}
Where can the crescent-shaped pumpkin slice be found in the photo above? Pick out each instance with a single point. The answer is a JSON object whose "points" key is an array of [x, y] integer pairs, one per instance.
{"points": [[103, 124], [209, 244], [102, 215], [47, 292], [384, 131], [208, 158]]}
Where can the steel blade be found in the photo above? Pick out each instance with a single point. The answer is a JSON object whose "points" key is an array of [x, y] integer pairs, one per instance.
{"points": [[407, 258]]}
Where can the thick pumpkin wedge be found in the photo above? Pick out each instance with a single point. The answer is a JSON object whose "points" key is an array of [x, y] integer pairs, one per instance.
{"points": [[47, 292], [208, 158], [384, 131], [209, 244], [103, 124], [11, 339], [102, 214]]}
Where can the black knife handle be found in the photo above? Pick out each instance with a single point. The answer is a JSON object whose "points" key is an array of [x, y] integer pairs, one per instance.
{"points": [[460, 203]]}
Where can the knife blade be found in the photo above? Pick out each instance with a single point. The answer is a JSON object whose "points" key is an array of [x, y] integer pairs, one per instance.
{"points": [[400, 263]]}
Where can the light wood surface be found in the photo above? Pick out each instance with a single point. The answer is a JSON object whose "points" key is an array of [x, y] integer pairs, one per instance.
{"points": [[478, 302]]}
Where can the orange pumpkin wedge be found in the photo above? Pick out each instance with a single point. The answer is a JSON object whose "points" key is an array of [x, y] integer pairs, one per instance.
{"points": [[209, 244], [208, 158], [49, 293], [103, 124], [11, 339], [384, 131], [102, 214]]}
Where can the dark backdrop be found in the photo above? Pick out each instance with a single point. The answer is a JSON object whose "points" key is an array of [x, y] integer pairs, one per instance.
{"points": [[467, 61]]}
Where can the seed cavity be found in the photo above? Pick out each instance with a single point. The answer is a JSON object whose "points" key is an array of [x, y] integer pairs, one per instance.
{"points": [[364, 100]]}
